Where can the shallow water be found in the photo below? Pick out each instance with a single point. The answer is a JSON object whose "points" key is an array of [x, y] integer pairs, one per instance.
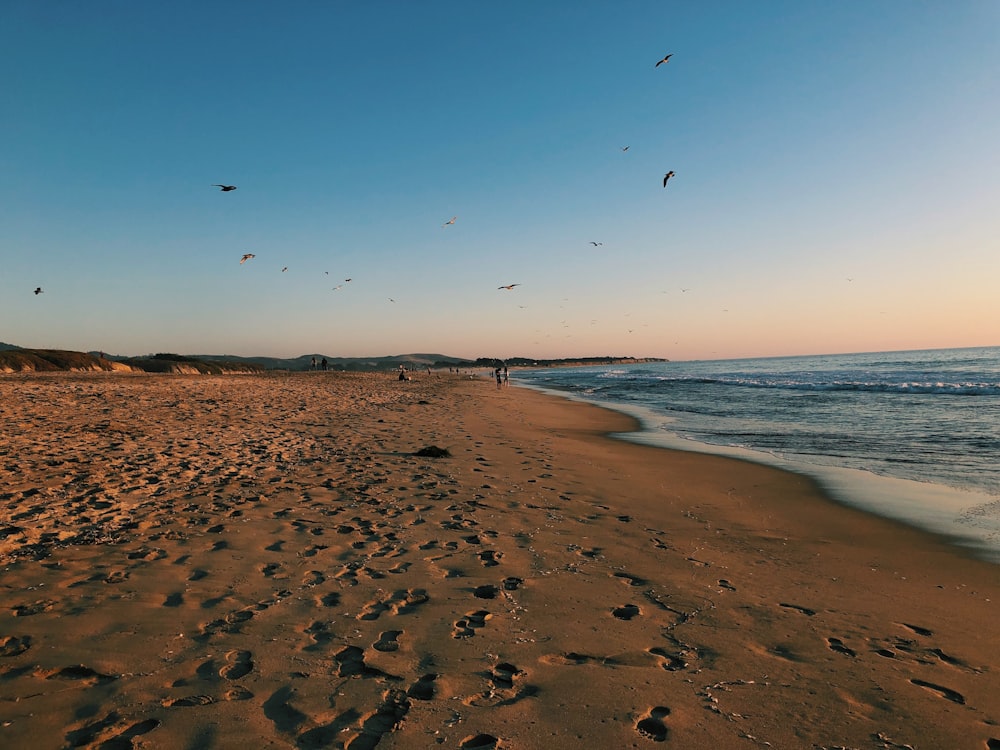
{"points": [[910, 435]]}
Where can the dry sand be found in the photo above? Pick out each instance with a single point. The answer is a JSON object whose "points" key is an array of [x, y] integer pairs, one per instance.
{"points": [[261, 562]]}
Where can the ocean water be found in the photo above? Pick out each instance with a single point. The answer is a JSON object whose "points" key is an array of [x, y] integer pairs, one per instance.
{"points": [[913, 436]]}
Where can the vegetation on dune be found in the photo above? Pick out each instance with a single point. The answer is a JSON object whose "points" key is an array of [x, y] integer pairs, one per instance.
{"points": [[50, 360], [14, 359]]}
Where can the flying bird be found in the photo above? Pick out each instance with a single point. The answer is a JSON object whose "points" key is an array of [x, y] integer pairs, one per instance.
{"points": [[625, 148], [667, 176], [38, 290], [450, 221], [225, 188], [665, 59], [337, 287], [348, 279], [284, 269], [596, 244], [246, 257], [508, 287]]}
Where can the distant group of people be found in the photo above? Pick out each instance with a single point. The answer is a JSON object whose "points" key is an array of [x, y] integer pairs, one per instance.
{"points": [[503, 378], [324, 365]]}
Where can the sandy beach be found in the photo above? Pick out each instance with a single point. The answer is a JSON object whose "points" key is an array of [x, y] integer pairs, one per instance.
{"points": [[262, 561]]}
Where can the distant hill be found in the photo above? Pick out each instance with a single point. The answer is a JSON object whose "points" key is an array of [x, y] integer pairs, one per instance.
{"points": [[304, 362], [16, 359]]}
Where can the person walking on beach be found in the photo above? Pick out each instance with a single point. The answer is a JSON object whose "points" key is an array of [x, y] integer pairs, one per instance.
{"points": [[506, 377], [313, 365], [499, 379], [324, 364]]}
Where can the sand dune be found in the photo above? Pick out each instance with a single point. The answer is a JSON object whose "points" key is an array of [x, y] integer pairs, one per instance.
{"points": [[261, 561]]}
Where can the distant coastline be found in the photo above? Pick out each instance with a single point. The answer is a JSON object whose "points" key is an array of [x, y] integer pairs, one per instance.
{"points": [[14, 359]]}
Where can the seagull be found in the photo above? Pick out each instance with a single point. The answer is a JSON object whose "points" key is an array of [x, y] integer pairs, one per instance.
{"points": [[348, 279], [625, 148], [508, 287], [225, 188], [667, 177], [284, 269], [38, 290], [665, 59], [391, 299], [337, 287], [596, 244], [246, 257], [450, 221]]}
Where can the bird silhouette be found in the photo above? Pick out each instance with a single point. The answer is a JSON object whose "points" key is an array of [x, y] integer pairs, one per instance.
{"points": [[38, 290], [508, 287], [596, 244], [450, 221], [665, 59], [246, 257], [225, 188], [667, 176], [626, 148], [284, 269]]}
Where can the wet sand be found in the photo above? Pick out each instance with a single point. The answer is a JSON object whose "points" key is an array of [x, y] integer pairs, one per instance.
{"points": [[262, 561]]}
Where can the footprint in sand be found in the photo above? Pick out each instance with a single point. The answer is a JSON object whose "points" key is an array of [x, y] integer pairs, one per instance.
{"points": [[81, 673], [386, 718], [400, 603], [124, 739], [837, 645], [504, 674], [270, 569], [631, 580], [652, 727], [331, 599], [351, 661], [512, 584], [626, 612], [239, 664], [947, 693], [189, 700], [423, 689], [672, 662], [320, 634], [387, 641], [467, 627], [804, 610], [26, 610], [490, 558], [480, 742], [313, 578], [12, 645]]}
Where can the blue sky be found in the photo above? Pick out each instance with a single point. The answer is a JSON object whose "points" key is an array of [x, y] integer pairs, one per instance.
{"points": [[836, 177]]}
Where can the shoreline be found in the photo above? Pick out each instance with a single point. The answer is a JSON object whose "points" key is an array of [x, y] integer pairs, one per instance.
{"points": [[947, 512], [208, 561]]}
